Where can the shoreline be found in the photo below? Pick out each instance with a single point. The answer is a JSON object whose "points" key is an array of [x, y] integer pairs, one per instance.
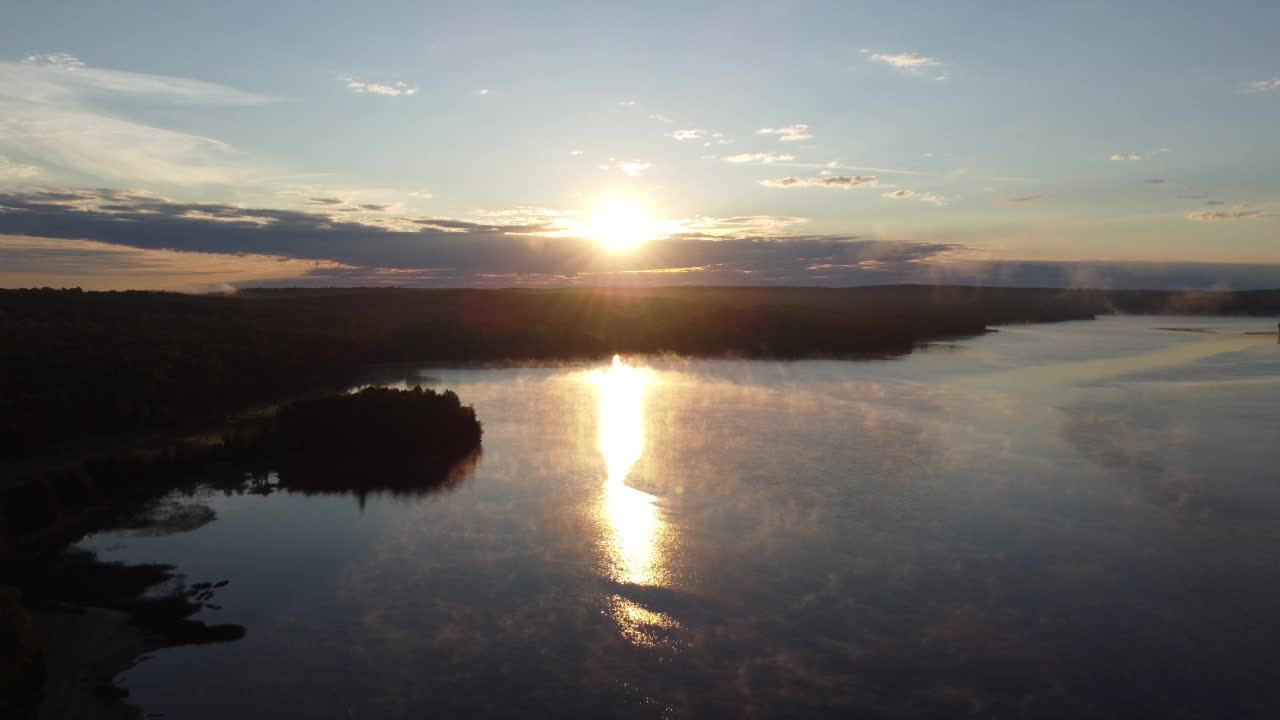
{"points": [[86, 648], [88, 620]]}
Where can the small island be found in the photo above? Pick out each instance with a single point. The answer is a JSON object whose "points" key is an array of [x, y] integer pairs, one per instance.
{"points": [[377, 422], [378, 439]]}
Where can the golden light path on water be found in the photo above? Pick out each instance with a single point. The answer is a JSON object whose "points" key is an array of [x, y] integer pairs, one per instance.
{"points": [[637, 538]]}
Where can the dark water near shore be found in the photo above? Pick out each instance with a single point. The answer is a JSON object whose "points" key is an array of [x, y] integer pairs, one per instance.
{"points": [[1063, 520]]}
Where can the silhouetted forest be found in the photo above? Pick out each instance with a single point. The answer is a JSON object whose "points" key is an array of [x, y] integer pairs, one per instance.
{"points": [[378, 438], [377, 421], [74, 363], [373, 440]]}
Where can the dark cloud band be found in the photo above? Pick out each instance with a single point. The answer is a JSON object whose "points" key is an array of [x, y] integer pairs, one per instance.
{"points": [[445, 251]]}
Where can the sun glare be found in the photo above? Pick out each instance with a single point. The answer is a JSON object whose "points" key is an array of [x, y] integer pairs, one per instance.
{"points": [[619, 226]]}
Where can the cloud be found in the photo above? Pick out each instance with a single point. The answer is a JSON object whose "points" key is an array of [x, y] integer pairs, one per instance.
{"points": [[628, 167], [60, 77], [790, 133], [64, 232], [764, 158], [146, 221], [1271, 85], [421, 194], [92, 265], [737, 226], [905, 194], [10, 170], [843, 182], [86, 143], [1126, 157], [575, 152], [1155, 181], [394, 89], [905, 61], [61, 61], [524, 241], [1022, 199], [1215, 202], [690, 134], [325, 201], [49, 115], [1237, 212], [908, 62], [717, 139], [483, 91], [661, 118]]}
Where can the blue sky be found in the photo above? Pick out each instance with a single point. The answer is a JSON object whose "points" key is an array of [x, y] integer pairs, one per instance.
{"points": [[989, 136]]}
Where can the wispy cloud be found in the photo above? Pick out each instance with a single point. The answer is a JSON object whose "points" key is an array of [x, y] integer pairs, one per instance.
{"points": [[91, 265], [909, 62], [1237, 212], [841, 182], [1021, 199], [905, 61], [1271, 85], [10, 170], [628, 167], [49, 115], [60, 77], [393, 89], [661, 118], [62, 61], [790, 133], [924, 197], [690, 134], [764, 158], [740, 226], [87, 143], [1126, 156]]}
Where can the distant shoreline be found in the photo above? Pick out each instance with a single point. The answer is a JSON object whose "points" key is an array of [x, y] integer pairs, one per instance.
{"points": [[83, 364]]}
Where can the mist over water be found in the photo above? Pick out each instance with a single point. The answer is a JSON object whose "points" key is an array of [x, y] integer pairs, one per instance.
{"points": [[1056, 520]]}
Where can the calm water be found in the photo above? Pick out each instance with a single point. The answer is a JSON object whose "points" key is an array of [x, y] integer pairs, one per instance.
{"points": [[1066, 520]]}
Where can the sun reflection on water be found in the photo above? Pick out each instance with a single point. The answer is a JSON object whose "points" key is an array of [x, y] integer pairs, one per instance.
{"points": [[642, 626], [638, 538]]}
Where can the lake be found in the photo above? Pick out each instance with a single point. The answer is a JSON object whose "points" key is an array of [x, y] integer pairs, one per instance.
{"points": [[1067, 520]]}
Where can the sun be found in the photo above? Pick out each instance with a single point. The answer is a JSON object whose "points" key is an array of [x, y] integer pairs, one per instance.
{"points": [[619, 225]]}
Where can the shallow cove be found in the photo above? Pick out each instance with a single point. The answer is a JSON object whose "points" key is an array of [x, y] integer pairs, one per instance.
{"points": [[1052, 520]]}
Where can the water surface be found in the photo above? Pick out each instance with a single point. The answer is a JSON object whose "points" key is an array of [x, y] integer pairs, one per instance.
{"points": [[1058, 520]]}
